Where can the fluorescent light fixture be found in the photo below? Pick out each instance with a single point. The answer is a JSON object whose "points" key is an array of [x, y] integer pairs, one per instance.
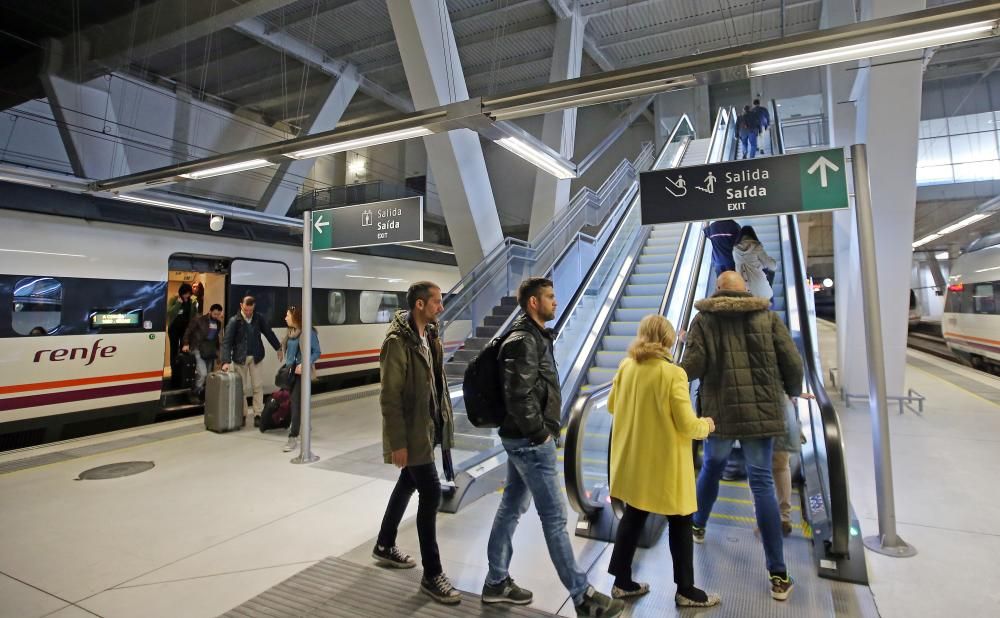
{"points": [[361, 142], [941, 256], [161, 204], [359, 277], [964, 223], [337, 259], [357, 166], [892, 45], [228, 169], [536, 157], [986, 270], [926, 239], [43, 253]]}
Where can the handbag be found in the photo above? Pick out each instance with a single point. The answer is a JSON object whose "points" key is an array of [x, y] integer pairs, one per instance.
{"points": [[283, 379]]}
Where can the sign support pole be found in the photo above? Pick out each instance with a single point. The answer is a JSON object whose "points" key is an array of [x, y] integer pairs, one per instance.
{"points": [[888, 541], [306, 455]]}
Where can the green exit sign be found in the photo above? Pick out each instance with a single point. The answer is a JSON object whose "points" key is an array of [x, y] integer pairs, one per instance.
{"points": [[806, 182], [390, 222]]}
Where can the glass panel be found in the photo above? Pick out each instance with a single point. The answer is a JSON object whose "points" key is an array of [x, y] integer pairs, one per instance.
{"points": [[970, 123], [938, 127], [378, 307], [933, 151], [973, 147], [336, 309], [37, 306], [982, 170], [935, 175]]}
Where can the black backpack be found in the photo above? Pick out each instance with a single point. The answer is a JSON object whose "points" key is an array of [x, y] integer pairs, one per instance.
{"points": [[482, 388]]}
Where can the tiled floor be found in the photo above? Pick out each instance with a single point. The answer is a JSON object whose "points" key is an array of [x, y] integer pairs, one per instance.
{"points": [[222, 518]]}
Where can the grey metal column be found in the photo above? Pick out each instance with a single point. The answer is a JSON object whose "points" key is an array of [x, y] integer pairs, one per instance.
{"points": [[887, 542], [305, 346]]}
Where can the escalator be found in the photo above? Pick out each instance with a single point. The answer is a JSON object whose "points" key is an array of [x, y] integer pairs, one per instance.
{"points": [[828, 544]]}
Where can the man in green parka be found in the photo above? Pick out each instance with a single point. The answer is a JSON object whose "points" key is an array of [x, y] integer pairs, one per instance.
{"points": [[416, 416], [748, 364]]}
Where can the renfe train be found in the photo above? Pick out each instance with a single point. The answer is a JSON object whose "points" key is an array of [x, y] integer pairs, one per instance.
{"points": [[83, 316], [971, 322]]}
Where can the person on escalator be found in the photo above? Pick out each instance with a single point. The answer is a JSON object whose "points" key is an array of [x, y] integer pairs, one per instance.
{"points": [[748, 366], [723, 235], [652, 468], [530, 384], [752, 263]]}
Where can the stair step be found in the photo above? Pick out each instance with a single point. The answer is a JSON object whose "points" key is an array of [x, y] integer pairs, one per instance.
{"points": [[486, 331], [634, 314], [662, 259], [504, 310], [464, 355], [455, 370], [599, 375], [494, 320], [623, 328], [609, 359], [640, 302], [616, 343], [646, 289], [476, 343], [508, 301], [648, 279], [662, 270]]}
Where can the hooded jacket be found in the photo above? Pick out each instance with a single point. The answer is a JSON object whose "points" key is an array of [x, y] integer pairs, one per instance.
{"points": [[747, 363], [531, 393], [751, 260], [409, 385]]}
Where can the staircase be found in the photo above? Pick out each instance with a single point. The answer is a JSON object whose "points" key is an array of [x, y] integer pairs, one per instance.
{"points": [[696, 153], [643, 293], [455, 367]]}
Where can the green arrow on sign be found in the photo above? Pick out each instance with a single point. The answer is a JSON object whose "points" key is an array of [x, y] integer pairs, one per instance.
{"points": [[322, 230], [823, 180]]}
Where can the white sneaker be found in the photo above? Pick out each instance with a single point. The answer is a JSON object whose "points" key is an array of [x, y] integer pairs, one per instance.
{"points": [[291, 445]]}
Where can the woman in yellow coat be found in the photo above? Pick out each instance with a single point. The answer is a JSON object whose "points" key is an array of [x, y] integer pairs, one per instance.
{"points": [[652, 469]]}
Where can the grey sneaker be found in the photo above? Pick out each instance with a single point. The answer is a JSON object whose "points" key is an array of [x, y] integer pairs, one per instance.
{"points": [[698, 534], [597, 605], [392, 557], [440, 589], [506, 592], [291, 445]]}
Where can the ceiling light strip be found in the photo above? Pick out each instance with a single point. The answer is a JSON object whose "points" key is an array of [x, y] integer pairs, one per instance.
{"points": [[232, 168], [537, 157], [360, 142]]}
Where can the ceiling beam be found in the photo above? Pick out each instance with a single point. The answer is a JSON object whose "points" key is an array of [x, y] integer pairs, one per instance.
{"points": [[590, 47], [315, 57], [161, 26]]}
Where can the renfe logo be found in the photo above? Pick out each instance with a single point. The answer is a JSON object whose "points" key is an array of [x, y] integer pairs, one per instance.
{"points": [[59, 355]]}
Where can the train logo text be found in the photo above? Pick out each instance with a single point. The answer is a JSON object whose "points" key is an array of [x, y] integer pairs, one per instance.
{"points": [[62, 354]]}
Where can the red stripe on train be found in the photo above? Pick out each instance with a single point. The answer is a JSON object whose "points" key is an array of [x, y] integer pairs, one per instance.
{"points": [[47, 399]]}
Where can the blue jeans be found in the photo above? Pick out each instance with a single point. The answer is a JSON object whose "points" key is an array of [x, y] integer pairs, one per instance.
{"points": [[758, 456], [748, 141], [531, 473]]}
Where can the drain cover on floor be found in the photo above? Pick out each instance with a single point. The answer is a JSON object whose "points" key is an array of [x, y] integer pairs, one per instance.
{"points": [[115, 470]]}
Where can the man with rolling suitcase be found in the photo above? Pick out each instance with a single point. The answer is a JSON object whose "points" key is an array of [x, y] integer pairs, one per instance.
{"points": [[242, 346], [203, 340]]}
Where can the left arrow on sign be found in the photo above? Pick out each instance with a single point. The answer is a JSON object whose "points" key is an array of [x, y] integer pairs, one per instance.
{"points": [[320, 224]]}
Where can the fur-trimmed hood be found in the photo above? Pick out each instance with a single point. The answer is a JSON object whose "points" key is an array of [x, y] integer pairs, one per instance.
{"points": [[732, 303]]}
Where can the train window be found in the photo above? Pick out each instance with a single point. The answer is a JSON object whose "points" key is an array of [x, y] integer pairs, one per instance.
{"points": [[378, 307], [336, 309], [37, 306], [983, 300]]}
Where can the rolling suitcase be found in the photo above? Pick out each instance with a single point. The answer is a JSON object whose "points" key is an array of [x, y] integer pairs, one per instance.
{"points": [[185, 370], [224, 401]]}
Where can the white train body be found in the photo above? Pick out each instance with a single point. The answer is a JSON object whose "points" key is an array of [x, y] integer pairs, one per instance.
{"points": [[71, 268], [971, 321]]}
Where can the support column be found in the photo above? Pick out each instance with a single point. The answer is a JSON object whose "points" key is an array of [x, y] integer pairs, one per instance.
{"points": [[558, 128], [434, 72], [888, 122], [288, 178], [85, 118]]}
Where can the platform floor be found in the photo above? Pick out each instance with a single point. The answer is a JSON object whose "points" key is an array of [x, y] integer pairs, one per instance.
{"points": [[223, 518]]}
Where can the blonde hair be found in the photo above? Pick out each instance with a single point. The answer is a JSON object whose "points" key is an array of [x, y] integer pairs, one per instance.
{"points": [[655, 338]]}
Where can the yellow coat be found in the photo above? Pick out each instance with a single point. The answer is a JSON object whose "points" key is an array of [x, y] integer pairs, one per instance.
{"points": [[651, 461]]}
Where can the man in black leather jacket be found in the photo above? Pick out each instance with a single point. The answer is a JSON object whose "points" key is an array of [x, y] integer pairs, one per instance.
{"points": [[529, 433]]}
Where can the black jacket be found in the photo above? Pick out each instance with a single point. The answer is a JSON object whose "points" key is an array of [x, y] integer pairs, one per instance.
{"points": [[243, 340], [531, 392]]}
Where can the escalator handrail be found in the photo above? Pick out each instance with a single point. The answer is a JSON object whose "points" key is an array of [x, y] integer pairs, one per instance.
{"points": [[836, 494]]}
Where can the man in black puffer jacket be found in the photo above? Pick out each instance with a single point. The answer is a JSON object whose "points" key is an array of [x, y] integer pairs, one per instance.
{"points": [[529, 432], [748, 365]]}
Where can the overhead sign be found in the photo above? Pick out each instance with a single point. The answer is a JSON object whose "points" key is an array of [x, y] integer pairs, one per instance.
{"points": [[807, 182], [364, 225]]}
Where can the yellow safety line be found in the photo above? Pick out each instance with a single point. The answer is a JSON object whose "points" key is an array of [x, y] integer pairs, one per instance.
{"points": [[114, 450], [749, 502]]}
